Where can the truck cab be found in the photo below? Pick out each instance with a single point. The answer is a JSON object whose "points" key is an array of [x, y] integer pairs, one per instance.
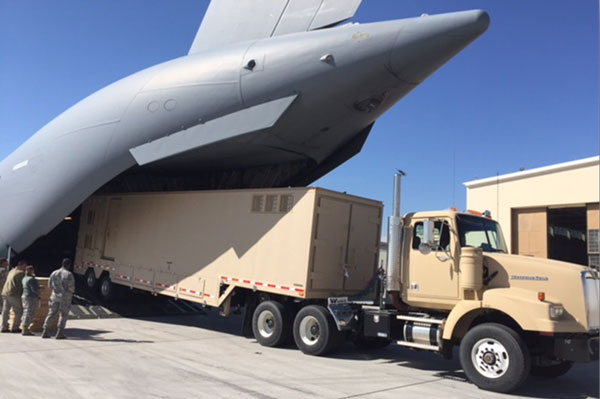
{"points": [[510, 315]]}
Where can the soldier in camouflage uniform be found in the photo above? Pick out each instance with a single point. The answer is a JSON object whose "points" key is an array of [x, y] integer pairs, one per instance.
{"points": [[11, 297], [30, 298], [3, 274], [62, 283]]}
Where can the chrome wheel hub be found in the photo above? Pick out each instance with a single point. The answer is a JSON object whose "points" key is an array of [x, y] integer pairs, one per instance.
{"points": [[490, 358]]}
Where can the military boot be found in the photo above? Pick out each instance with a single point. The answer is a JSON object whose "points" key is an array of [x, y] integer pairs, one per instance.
{"points": [[45, 334], [26, 331], [60, 334]]}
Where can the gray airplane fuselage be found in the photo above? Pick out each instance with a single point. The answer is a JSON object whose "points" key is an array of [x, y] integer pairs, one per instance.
{"points": [[339, 80]]}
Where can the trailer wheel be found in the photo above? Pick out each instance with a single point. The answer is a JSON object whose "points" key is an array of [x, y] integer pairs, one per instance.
{"points": [[315, 332], [271, 324], [107, 288], [548, 369], [90, 279], [494, 357]]}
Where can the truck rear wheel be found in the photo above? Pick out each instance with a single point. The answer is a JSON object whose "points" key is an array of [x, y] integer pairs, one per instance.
{"points": [[271, 324], [315, 332], [90, 279], [494, 357], [107, 289]]}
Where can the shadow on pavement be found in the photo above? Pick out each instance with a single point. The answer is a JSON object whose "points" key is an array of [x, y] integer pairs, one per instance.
{"points": [[581, 382], [79, 334]]}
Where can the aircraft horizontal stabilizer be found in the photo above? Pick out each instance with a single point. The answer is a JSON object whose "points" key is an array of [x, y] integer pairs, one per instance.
{"points": [[258, 117], [231, 21]]}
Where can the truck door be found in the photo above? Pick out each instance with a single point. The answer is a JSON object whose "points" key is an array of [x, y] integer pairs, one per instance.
{"points": [[433, 275]]}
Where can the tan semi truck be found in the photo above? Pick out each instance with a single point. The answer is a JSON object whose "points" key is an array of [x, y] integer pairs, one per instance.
{"points": [[303, 264]]}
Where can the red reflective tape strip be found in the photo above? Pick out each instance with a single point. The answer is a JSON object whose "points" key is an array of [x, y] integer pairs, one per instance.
{"points": [[208, 296], [261, 284], [192, 291]]}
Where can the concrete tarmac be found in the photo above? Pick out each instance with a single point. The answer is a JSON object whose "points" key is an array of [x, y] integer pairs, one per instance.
{"points": [[203, 356]]}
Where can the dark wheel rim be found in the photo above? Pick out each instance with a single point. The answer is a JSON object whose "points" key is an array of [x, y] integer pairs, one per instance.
{"points": [[91, 279], [105, 288]]}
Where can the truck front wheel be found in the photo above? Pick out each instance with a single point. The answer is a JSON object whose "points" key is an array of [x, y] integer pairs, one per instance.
{"points": [[271, 324], [494, 357], [315, 332]]}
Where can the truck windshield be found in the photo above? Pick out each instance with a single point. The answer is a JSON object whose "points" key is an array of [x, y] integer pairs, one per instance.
{"points": [[479, 232]]}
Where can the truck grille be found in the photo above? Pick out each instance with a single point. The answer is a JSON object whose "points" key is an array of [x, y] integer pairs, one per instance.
{"points": [[591, 289]]}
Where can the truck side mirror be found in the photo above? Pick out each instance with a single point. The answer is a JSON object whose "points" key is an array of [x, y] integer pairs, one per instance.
{"points": [[427, 242]]}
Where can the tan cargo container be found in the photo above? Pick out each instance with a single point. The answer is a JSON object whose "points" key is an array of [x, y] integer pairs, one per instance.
{"points": [[306, 243]]}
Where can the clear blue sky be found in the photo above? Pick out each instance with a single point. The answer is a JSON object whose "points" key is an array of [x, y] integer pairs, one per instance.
{"points": [[525, 94]]}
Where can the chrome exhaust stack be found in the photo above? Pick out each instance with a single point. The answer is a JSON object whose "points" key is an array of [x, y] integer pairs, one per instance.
{"points": [[393, 282]]}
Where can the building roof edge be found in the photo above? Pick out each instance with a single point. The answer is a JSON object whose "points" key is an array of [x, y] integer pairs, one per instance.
{"points": [[580, 163]]}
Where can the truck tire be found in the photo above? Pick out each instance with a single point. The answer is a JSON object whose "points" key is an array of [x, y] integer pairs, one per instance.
{"points": [[494, 357], [271, 324], [90, 279], [547, 369], [315, 332], [107, 289]]}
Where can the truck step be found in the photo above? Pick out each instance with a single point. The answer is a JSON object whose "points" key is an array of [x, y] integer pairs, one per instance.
{"points": [[418, 345], [418, 319]]}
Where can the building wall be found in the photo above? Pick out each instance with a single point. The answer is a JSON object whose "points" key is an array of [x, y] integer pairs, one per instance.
{"points": [[572, 183]]}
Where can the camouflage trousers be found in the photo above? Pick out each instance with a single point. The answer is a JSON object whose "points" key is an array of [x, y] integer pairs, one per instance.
{"points": [[14, 303], [57, 308], [30, 305]]}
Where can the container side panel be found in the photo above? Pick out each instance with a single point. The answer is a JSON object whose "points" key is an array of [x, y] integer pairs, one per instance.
{"points": [[111, 243], [363, 247], [183, 244]]}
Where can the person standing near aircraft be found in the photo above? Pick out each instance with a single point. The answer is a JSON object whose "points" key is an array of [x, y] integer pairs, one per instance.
{"points": [[62, 284], [31, 297], [3, 274], [11, 297]]}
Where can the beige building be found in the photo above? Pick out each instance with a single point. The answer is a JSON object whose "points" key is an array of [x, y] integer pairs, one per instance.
{"points": [[548, 212]]}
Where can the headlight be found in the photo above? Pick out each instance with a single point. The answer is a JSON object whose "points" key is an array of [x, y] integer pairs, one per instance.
{"points": [[556, 311]]}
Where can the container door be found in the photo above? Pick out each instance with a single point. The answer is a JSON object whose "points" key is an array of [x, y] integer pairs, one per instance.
{"points": [[363, 246], [112, 229], [329, 244]]}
